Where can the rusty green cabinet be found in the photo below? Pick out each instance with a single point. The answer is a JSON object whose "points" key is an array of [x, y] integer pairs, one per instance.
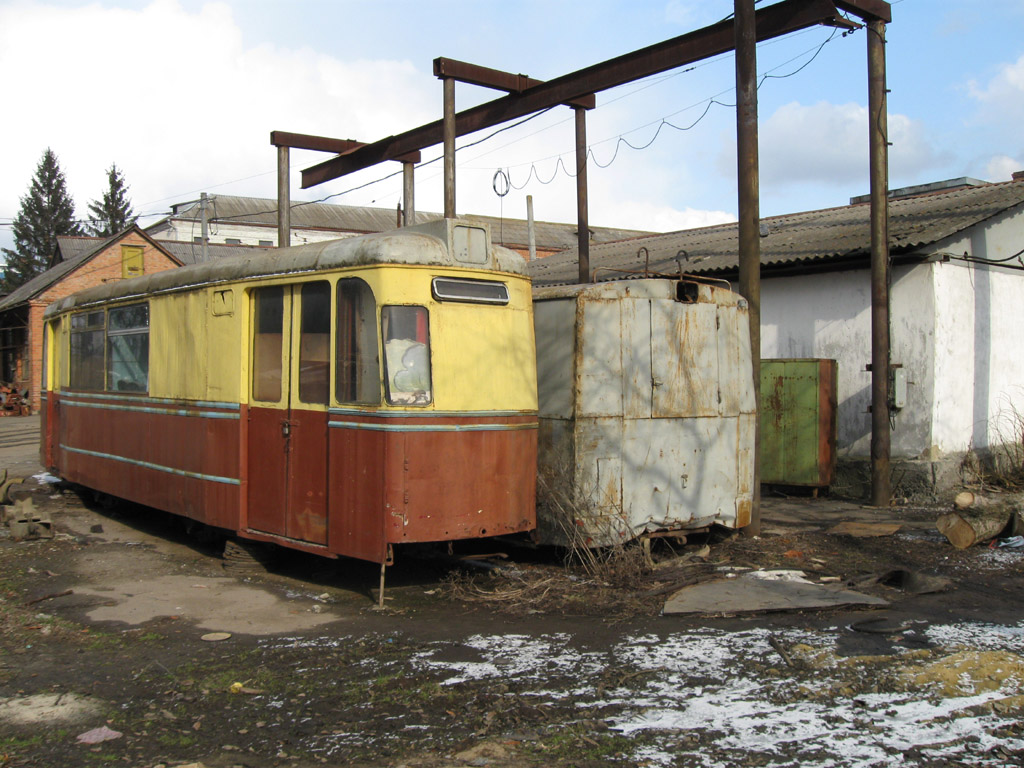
{"points": [[798, 422]]}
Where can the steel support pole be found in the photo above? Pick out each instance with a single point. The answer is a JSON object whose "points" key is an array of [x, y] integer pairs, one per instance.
{"points": [[881, 484], [582, 205], [748, 170], [409, 193], [449, 147], [284, 202]]}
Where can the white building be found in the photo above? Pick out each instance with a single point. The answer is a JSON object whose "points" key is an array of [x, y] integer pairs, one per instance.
{"points": [[253, 221], [957, 305]]}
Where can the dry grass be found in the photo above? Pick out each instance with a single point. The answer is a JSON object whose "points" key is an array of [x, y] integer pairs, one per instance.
{"points": [[1002, 466]]}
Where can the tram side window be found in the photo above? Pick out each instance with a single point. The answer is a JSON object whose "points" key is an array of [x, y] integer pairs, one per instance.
{"points": [[315, 343], [406, 355], [358, 375], [87, 350], [267, 339], [128, 349]]}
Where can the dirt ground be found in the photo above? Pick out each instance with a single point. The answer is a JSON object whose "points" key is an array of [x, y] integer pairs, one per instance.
{"points": [[514, 659]]}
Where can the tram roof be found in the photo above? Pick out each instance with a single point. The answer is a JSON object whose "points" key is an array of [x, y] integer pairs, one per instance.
{"points": [[429, 244]]}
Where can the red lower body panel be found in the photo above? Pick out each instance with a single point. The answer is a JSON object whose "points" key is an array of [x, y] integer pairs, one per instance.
{"points": [[182, 458], [350, 483]]}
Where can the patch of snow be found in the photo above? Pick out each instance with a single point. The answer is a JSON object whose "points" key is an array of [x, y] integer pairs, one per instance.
{"points": [[978, 637], [715, 683]]}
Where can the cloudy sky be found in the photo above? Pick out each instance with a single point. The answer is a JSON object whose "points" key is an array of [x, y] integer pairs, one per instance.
{"points": [[183, 94]]}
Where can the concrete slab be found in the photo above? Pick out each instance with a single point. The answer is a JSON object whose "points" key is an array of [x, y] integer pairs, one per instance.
{"points": [[19, 445], [864, 530], [754, 595]]}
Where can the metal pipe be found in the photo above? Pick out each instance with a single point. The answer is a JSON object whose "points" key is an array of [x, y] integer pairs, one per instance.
{"points": [[582, 208], [449, 147], [881, 483], [748, 170], [409, 193], [530, 229], [284, 203]]}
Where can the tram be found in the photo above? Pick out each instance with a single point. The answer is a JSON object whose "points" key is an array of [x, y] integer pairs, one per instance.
{"points": [[341, 397]]}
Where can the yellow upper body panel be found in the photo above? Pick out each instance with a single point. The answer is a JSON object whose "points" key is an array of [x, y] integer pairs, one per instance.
{"points": [[482, 356]]}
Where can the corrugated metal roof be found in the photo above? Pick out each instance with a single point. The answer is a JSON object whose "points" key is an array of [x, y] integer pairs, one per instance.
{"points": [[347, 218], [827, 235], [74, 246], [75, 250], [192, 253]]}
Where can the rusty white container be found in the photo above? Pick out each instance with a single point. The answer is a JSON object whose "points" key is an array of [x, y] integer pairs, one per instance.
{"points": [[647, 410]]}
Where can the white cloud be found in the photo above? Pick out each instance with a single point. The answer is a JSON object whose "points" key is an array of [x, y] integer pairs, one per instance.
{"points": [[1001, 101], [662, 218], [1002, 168], [827, 144], [1005, 89], [177, 99]]}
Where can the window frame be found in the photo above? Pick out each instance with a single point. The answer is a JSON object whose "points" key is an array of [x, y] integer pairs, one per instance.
{"points": [[128, 332], [94, 324], [385, 316], [441, 295], [363, 376]]}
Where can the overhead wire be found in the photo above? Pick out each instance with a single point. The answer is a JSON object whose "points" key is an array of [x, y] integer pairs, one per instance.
{"points": [[620, 140], [560, 164]]}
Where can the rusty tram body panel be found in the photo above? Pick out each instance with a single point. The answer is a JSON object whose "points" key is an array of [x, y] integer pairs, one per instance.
{"points": [[647, 410], [340, 398]]}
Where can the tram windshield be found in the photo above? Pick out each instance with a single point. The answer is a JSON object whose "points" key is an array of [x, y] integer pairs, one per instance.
{"points": [[406, 355]]}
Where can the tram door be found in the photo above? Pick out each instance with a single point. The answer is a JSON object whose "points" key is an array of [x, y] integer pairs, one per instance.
{"points": [[289, 383]]}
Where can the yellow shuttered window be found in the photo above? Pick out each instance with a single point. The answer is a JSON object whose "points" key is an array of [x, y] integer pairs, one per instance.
{"points": [[132, 264]]}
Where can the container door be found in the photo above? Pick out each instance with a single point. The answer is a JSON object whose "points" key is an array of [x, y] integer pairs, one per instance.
{"points": [[290, 369], [684, 360]]}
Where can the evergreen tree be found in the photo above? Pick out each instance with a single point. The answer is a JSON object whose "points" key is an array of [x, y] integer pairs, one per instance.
{"points": [[46, 212], [114, 212]]}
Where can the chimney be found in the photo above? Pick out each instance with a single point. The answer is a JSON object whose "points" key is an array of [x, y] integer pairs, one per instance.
{"points": [[1018, 176]]}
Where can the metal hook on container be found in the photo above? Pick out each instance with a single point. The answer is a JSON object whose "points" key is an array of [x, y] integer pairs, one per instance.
{"points": [[680, 255], [647, 257]]}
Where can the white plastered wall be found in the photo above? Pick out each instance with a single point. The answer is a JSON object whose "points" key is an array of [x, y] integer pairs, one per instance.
{"points": [[827, 315], [979, 353]]}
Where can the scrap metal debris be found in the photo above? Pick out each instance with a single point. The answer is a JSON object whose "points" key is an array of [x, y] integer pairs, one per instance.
{"points": [[26, 522], [99, 735], [911, 582]]}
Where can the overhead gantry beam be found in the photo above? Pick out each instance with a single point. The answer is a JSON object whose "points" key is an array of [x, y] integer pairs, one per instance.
{"points": [[772, 21], [869, 10], [474, 74], [326, 144]]}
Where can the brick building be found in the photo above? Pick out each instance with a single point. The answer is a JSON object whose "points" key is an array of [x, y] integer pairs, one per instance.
{"points": [[80, 262]]}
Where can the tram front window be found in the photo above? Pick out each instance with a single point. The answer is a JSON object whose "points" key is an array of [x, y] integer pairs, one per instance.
{"points": [[406, 355]]}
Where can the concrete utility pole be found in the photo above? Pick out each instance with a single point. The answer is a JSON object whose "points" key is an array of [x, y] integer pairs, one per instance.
{"points": [[449, 147], [204, 228], [284, 201], [582, 205], [748, 172], [409, 193], [530, 229], [881, 484]]}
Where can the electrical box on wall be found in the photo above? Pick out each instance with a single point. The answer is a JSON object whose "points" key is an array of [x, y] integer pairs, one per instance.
{"points": [[897, 387]]}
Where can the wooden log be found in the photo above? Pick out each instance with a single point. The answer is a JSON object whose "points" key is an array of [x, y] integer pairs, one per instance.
{"points": [[975, 519]]}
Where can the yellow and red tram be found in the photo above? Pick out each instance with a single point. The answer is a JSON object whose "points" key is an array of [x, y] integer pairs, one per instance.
{"points": [[340, 397]]}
